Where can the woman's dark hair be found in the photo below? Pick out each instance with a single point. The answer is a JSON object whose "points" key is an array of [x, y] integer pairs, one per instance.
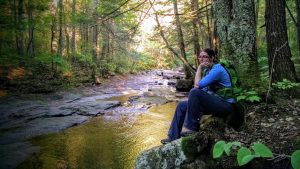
{"points": [[211, 53]]}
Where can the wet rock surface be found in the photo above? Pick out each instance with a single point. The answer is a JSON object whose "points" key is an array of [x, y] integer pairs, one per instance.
{"points": [[27, 116]]}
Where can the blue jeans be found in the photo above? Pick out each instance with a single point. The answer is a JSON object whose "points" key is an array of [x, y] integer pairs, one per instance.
{"points": [[190, 112]]}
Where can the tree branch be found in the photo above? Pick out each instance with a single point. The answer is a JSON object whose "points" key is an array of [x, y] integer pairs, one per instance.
{"points": [[294, 20], [271, 69], [185, 62]]}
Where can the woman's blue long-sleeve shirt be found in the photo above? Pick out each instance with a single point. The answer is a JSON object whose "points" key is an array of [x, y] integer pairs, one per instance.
{"points": [[214, 79]]}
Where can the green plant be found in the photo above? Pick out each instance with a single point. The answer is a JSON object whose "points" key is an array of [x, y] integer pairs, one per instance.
{"points": [[295, 159], [245, 155], [248, 95], [285, 84]]}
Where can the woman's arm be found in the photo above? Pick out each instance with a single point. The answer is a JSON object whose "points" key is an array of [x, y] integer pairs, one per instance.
{"points": [[214, 75], [198, 76]]}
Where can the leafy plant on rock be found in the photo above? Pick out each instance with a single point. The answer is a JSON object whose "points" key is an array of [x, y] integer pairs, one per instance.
{"points": [[245, 155]]}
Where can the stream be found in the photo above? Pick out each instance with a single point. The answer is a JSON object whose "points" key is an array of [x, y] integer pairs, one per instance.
{"points": [[104, 126]]}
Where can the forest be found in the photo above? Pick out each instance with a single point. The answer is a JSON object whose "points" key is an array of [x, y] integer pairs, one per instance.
{"points": [[70, 50], [47, 44]]}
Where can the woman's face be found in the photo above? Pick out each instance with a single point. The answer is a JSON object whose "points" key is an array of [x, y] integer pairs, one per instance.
{"points": [[205, 60]]}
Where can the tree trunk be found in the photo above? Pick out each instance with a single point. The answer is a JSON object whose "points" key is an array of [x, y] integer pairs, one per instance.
{"points": [[194, 3], [204, 36], [236, 32], [279, 53], [67, 41], [95, 44], [60, 25], [208, 26], [184, 61], [298, 24], [30, 47], [105, 41], [86, 38], [73, 38], [53, 32], [188, 72], [20, 35]]}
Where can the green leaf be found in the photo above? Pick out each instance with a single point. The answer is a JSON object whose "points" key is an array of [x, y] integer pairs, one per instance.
{"points": [[247, 159], [227, 148], [218, 149], [242, 97], [254, 98], [242, 153], [262, 150], [236, 143], [295, 159]]}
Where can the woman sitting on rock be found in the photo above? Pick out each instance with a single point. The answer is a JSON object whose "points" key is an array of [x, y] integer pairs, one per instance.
{"points": [[210, 77]]}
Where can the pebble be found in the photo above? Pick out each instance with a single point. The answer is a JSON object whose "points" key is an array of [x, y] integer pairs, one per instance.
{"points": [[271, 120], [265, 124], [289, 119]]}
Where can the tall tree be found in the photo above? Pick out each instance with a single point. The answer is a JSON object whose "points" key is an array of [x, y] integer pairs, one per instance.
{"points": [[236, 29], [60, 27], [20, 28], [209, 39], [30, 47], [73, 37], [279, 53], [188, 71], [205, 37], [53, 47], [95, 41], [298, 23], [194, 8]]}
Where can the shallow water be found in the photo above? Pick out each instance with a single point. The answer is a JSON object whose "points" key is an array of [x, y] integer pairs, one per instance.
{"points": [[110, 141]]}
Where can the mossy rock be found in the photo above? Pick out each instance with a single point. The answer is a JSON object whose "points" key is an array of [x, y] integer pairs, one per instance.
{"points": [[189, 147]]}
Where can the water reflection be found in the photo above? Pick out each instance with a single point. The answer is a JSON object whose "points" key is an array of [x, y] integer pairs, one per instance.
{"points": [[103, 143]]}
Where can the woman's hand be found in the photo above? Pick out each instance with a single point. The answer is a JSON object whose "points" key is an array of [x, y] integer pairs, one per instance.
{"points": [[204, 65]]}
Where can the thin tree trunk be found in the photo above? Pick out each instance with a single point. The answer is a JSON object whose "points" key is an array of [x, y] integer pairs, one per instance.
{"points": [[208, 25], [279, 53], [298, 23], [30, 47], [194, 3], [94, 38], [53, 32], [188, 72], [14, 8], [204, 35], [184, 61], [20, 36], [67, 41], [73, 38], [60, 25], [86, 38], [105, 41]]}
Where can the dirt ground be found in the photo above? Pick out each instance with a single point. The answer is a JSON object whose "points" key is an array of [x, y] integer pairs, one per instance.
{"points": [[275, 125]]}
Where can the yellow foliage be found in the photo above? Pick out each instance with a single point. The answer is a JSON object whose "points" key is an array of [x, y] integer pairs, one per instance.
{"points": [[3, 93], [16, 73]]}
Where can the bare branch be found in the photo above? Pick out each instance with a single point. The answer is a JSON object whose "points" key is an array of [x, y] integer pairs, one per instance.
{"points": [[293, 18]]}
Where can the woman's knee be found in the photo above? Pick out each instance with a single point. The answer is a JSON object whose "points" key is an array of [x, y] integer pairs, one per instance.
{"points": [[182, 105], [195, 92]]}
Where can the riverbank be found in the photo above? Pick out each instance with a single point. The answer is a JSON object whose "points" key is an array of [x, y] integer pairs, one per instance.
{"points": [[30, 115]]}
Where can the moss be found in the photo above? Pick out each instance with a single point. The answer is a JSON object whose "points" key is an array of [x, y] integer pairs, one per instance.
{"points": [[189, 147]]}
